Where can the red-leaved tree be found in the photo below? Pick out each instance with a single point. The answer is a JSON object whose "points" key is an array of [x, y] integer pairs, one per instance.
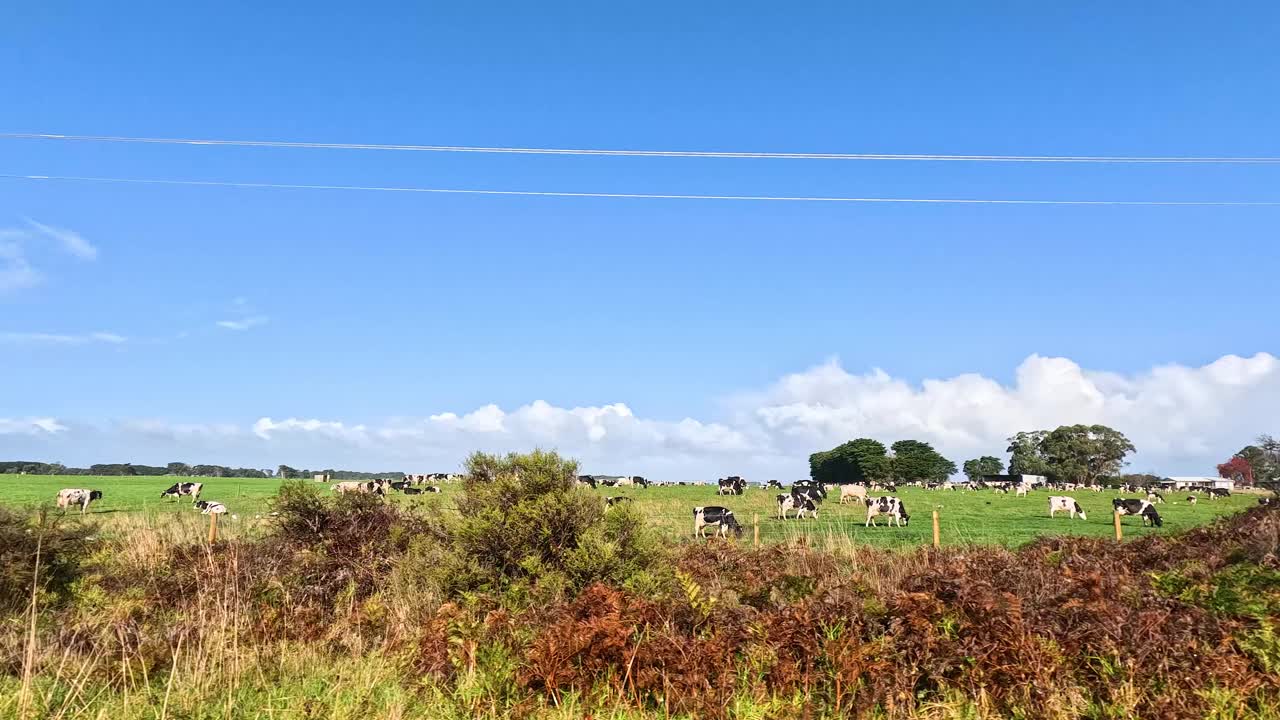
{"points": [[1238, 469]]}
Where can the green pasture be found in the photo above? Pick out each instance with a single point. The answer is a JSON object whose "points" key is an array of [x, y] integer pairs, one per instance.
{"points": [[979, 517]]}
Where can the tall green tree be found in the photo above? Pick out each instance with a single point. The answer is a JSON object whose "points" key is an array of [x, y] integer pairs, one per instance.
{"points": [[1084, 453], [915, 460], [857, 461], [1025, 455], [986, 465]]}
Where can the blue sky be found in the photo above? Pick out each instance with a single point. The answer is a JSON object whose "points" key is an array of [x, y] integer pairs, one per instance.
{"points": [[380, 311]]}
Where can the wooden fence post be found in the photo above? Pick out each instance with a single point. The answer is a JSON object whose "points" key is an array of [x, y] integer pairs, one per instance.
{"points": [[755, 531], [1119, 533], [213, 528], [937, 536]]}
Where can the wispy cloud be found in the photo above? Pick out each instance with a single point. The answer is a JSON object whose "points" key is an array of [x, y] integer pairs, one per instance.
{"points": [[245, 323], [16, 269], [71, 241], [40, 338]]}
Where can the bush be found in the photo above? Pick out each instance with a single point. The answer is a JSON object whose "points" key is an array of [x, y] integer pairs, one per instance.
{"points": [[522, 518], [62, 543]]}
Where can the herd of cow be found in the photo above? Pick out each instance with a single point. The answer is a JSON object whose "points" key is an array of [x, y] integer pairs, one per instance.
{"points": [[803, 498]]}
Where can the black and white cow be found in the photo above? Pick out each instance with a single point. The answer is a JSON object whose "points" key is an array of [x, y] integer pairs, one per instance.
{"points": [[721, 517], [798, 502], [1065, 504], [371, 487], [401, 485], [211, 507], [732, 485], [887, 505], [1266, 502], [177, 490], [1191, 499], [811, 493], [586, 481], [1154, 497], [431, 489], [77, 496], [412, 491], [774, 484], [1135, 506], [615, 500], [1215, 493]]}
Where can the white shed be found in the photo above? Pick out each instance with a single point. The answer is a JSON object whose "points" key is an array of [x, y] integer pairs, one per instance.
{"points": [[1196, 482]]}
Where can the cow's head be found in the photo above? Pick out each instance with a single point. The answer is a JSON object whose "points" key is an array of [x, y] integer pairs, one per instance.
{"points": [[95, 495]]}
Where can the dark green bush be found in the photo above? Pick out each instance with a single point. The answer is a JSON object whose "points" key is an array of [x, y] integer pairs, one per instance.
{"points": [[62, 542]]}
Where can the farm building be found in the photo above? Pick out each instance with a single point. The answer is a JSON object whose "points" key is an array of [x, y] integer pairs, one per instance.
{"points": [[1197, 483], [1028, 480]]}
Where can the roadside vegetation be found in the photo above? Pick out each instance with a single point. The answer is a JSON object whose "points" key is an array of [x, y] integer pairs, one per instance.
{"points": [[528, 599]]}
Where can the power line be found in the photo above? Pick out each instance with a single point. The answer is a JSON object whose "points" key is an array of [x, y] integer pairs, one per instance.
{"points": [[632, 196], [651, 153]]}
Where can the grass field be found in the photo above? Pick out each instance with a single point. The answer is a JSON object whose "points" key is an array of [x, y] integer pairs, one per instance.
{"points": [[965, 517]]}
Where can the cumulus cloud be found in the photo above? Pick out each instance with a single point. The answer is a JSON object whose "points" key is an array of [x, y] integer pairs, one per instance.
{"points": [[16, 269], [40, 338], [1182, 419]]}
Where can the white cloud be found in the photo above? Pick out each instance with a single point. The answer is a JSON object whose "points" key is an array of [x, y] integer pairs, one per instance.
{"points": [[69, 240], [1182, 419], [16, 270], [244, 323], [39, 338], [31, 426]]}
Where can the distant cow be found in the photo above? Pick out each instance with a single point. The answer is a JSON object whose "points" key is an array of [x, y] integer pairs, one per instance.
{"points": [[1191, 499], [401, 485], [373, 487], [179, 489], [585, 481], [431, 489], [1155, 497], [1022, 490], [211, 507], [1134, 506], [1065, 504], [802, 504], [722, 518], [611, 501], [853, 491], [77, 496], [774, 484], [887, 505], [1215, 493], [413, 491]]}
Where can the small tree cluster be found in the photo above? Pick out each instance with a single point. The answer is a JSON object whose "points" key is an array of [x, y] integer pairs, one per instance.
{"points": [[1070, 453], [865, 460]]}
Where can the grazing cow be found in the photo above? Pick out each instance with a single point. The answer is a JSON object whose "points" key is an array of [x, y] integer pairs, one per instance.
{"points": [[1135, 506], [1065, 504], [77, 496], [615, 500], [586, 481], [1215, 493], [774, 484], [732, 485], [1191, 499], [802, 504], [720, 517], [1022, 490], [887, 505], [810, 488], [400, 485], [177, 490], [211, 507], [1155, 497], [431, 489], [374, 487], [412, 491], [853, 491]]}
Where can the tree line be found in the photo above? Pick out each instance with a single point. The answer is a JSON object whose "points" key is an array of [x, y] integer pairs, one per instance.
{"points": [[1085, 454], [180, 469]]}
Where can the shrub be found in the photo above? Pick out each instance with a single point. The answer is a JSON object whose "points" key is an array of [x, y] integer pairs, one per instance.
{"points": [[522, 518], [61, 541]]}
